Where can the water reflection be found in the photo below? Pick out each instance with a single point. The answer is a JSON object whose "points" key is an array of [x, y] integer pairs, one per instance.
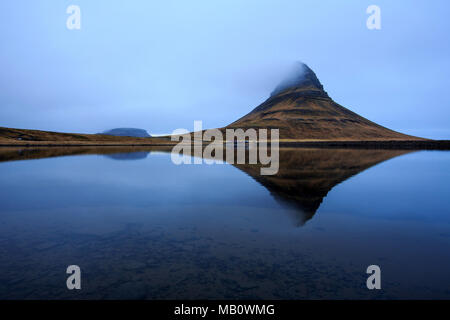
{"points": [[148, 229], [30, 153], [304, 178], [128, 155], [307, 175]]}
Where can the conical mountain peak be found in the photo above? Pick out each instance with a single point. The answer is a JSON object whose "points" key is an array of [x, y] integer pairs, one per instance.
{"points": [[301, 110], [299, 77]]}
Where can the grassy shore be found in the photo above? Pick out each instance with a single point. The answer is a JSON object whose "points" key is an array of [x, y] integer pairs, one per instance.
{"points": [[24, 137], [10, 137]]}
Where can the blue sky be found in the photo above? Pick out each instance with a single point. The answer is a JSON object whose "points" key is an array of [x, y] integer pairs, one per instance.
{"points": [[160, 65]]}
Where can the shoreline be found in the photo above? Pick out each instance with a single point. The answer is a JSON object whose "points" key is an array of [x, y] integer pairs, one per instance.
{"points": [[373, 144]]}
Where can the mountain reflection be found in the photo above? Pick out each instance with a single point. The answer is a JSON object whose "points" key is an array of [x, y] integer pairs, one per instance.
{"points": [[304, 178], [128, 155]]}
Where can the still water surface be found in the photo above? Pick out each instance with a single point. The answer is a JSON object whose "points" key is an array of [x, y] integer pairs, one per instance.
{"points": [[141, 227]]}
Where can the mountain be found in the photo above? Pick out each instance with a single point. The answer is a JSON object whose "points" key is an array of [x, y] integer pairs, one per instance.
{"points": [[302, 110], [127, 132]]}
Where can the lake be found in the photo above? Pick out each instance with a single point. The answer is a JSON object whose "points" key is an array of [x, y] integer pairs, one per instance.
{"points": [[141, 227]]}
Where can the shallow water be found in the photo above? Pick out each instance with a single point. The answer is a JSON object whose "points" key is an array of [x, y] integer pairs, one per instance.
{"points": [[141, 227]]}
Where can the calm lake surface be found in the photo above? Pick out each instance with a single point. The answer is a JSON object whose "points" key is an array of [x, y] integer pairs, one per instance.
{"points": [[141, 227]]}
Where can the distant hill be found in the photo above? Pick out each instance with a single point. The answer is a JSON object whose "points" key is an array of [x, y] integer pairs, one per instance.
{"points": [[302, 110], [127, 132]]}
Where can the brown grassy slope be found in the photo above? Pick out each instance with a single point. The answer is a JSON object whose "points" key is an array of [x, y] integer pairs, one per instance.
{"points": [[9, 136], [307, 113], [302, 110]]}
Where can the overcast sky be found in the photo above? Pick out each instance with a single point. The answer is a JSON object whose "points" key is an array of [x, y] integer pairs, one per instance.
{"points": [[160, 65]]}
